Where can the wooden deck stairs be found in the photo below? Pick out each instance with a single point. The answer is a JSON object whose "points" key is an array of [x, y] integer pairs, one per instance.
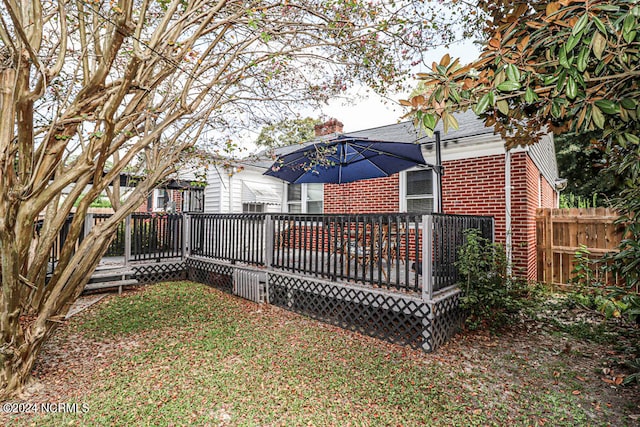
{"points": [[111, 278]]}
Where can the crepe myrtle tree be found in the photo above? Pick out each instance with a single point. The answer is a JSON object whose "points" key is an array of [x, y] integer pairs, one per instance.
{"points": [[569, 66], [92, 88]]}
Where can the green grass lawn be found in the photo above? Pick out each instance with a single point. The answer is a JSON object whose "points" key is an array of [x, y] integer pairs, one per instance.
{"points": [[186, 354]]}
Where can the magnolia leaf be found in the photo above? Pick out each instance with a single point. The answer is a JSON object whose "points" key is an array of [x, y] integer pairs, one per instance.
{"points": [[562, 57], [580, 24], [630, 36], [445, 121], [597, 117], [429, 121], [446, 59], [451, 121], [628, 25], [530, 96], [482, 104], [513, 73], [572, 88], [583, 58], [508, 86], [599, 25], [599, 44], [572, 41], [607, 106], [629, 103], [503, 107], [552, 8]]}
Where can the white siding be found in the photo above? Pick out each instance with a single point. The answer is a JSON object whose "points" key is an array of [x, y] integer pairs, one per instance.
{"points": [[223, 193]]}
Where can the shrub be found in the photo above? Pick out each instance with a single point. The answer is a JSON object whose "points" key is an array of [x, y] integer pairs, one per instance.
{"points": [[490, 297]]}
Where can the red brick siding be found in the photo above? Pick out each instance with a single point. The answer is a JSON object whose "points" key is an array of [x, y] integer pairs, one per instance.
{"points": [[525, 178], [549, 196], [371, 195], [476, 187], [473, 186]]}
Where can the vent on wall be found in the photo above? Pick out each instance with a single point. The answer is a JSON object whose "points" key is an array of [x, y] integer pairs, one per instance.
{"points": [[247, 284]]}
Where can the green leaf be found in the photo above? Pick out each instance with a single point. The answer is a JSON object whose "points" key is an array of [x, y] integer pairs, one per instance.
{"points": [[454, 94], [597, 117], [530, 96], [599, 25], [503, 107], [629, 24], [579, 26], [629, 103], [513, 73], [482, 104], [583, 58], [634, 139], [562, 57], [572, 88], [630, 36], [572, 41], [508, 86], [429, 121], [608, 106], [607, 7]]}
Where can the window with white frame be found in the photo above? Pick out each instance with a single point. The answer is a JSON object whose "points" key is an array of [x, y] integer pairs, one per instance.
{"points": [[419, 191], [252, 207], [161, 199], [305, 198]]}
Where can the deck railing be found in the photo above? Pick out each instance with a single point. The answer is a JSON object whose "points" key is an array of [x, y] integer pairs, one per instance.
{"points": [[404, 252], [56, 249], [229, 237], [379, 250]]}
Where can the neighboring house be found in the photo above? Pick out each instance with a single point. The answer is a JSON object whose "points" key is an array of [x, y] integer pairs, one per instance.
{"points": [[175, 196], [480, 178]]}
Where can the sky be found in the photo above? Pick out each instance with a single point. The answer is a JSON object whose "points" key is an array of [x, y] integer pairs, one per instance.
{"points": [[370, 110]]}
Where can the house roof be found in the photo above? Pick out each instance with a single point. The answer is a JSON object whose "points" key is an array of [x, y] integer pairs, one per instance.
{"points": [[469, 125], [466, 136]]}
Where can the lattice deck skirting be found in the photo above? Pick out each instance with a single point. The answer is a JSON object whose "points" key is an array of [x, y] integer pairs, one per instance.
{"points": [[160, 272], [394, 317], [209, 273]]}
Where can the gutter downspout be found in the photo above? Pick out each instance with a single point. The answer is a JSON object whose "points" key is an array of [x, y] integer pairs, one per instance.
{"points": [[507, 203]]}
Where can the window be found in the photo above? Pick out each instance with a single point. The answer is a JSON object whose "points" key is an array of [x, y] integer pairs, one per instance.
{"points": [[162, 198], [294, 198], [419, 191], [305, 198], [252, 208], [315, 195]]}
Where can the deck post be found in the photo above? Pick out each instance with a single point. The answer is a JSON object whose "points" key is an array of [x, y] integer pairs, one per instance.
{"points": [[127, 240], [186, 235], [268, 237], [88, 224], [427, 257]]}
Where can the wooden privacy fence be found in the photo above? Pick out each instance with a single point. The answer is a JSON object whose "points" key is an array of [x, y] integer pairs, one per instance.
{"points": [[562, 232]]}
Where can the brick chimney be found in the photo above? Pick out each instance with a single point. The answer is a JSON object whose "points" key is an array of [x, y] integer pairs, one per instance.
{"points": [[328, 127]]}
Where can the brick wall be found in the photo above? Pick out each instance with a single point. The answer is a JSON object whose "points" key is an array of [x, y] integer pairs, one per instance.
{"points": [[473, 186], [476, 187], [371, 195]]}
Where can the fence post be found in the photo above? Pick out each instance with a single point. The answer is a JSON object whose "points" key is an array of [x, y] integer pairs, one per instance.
{"points": [[88, 224], [268, 237], [186, 235], [127, 240], [427, 257]]}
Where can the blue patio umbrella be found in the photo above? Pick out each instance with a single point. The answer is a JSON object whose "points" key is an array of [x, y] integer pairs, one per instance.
{"points": [[346, 159]]}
